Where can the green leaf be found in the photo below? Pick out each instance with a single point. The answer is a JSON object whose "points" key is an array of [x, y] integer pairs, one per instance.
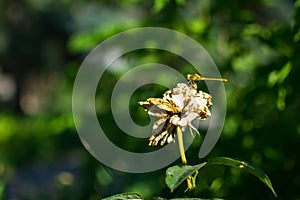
{"points": [[248, 167], [194, 199], [277, 77], [175, 175], [124, 196], [1, 189], [158, 5], [160, 198], [180, 2]]}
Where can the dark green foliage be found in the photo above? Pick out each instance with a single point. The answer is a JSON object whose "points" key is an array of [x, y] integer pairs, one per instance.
{"points": [[255, 44]]}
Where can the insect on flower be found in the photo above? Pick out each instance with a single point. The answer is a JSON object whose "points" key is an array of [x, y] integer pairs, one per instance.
{"points": [[196, 77], [179, 106]]}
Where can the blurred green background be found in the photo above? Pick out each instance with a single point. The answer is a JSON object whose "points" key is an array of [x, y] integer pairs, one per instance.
{"points": [[254, 43]]}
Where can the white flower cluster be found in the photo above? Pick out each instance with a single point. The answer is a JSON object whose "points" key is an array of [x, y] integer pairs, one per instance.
{"points": [[192, 104], [178, 107]]}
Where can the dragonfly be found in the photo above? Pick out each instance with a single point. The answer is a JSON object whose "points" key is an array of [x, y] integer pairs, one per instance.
{"points": [[196, 77]]}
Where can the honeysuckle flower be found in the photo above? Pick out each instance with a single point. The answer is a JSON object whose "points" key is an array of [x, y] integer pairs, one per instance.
{"points": [[179, 106]]}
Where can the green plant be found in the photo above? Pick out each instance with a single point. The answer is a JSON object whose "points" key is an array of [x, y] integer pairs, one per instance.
{"points": [[176, 111]]}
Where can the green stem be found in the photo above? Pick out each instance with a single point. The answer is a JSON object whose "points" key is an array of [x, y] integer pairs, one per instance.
{"points": [[182, 155], [180, 146], [183, 158]]}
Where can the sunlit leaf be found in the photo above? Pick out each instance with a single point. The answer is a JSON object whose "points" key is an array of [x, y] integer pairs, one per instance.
{"points": [[124, 196], [1, 189], [279, 76], [248, 167], [197, 26], [180, 2], [282, 92], [159, 5], [194, 199], [175, 175], [160, 198]]}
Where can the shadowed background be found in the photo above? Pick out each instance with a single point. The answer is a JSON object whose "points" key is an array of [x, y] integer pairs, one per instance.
{"points": [[255, 44]]}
